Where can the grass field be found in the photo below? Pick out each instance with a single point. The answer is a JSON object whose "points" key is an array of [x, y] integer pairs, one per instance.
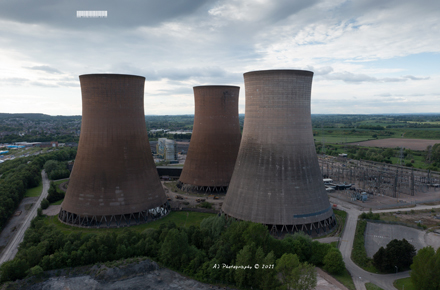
{"points": [[180, 218], [345, 278], [371, 286], [57, 202], [36, 191], [404, 283], [343, 139], [58, 182]]}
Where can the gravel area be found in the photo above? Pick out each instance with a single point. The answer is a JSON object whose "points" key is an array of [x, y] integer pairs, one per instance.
{"points": [[16, 221]]}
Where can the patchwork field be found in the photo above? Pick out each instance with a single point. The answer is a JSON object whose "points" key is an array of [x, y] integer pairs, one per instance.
{"points": [[413, 144]]}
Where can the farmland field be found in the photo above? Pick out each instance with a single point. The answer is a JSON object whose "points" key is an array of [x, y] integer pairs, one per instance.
{"points": [[413, 144]]}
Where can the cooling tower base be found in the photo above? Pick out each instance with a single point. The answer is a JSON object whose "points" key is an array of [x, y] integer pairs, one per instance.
{"points": [[315, 229], [114, 221], [201, 189]]}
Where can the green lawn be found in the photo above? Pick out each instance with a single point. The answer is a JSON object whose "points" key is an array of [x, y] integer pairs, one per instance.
{"points": [[36, 191], [404, 283], [345, 278], [57, 202], [180, 218], [58, 182], [371, 286]]}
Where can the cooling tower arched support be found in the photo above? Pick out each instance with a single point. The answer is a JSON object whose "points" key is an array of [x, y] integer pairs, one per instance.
{"points": [[276, 179], [114, 181], [215, 140]]}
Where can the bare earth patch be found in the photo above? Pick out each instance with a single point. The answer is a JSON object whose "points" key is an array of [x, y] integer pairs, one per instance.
{"points": [[52, 210], [413, 144]]}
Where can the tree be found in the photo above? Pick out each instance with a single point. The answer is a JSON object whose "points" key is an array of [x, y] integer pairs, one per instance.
{"points": [[304, 277], [333, 262], [398, 253], [172, 249], [36, 271], [44, 203], [425, 272], [319, 251], [380, 260], [243, 277], [295, 275]]}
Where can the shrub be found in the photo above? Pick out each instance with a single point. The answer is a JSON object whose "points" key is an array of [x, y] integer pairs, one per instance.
{"points": [[206, 204], [44, 203]]}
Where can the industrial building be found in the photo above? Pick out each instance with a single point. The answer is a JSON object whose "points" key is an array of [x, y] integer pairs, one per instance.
{"points": [[215, 140], [114, 181], [277, 180], [167, 149]]}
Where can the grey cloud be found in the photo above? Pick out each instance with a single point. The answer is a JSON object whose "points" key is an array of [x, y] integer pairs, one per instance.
{"points": [[349, 77], [392, 80], [383, 95], [187, 90], [287, 8], [325, 70], [179, 74], [120, 13], [68, 84], [416, 78], [13, 81], [45, 68], [40, 84]]}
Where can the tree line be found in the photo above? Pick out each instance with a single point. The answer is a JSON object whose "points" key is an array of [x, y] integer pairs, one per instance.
{"points": [[20, 174], [208, 252]]}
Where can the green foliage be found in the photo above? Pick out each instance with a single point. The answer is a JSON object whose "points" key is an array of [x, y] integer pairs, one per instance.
{"points": [[371, 286], [370, 216], [174, 249], [54, 193], [425, 272], [295, 275], [206, 204], [21, 174], [203, 252], [398, 253], [319, 251], [333, 262], [36, 271], [44, 203], [13, 270], [358, 254], [56, 169]]}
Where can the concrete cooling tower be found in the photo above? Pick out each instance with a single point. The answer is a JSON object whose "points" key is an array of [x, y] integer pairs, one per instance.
{"points": [[215, 140], [276, 179], [114, 181]]}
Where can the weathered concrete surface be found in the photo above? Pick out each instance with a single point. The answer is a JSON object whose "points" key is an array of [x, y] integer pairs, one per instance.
{"points": [[114, 171], [215, 139], [14, 240], [379, 235], [136, 275], [277, 179], [143, 275]]}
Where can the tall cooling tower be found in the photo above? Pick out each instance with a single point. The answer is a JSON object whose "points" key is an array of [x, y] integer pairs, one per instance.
{"points": [[215, 140], [276, 179], [114, 181]]}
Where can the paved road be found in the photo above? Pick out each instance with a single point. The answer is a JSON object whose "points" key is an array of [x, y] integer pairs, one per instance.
{"points": [[12, 248], [360, 276]]}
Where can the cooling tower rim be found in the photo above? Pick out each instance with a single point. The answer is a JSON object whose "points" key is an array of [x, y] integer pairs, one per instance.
{"points": [[287, 71], [215, 86], [110, 75]]}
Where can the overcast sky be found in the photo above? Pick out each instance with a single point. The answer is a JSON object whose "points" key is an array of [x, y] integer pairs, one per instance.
{"points": [[368, 56]]}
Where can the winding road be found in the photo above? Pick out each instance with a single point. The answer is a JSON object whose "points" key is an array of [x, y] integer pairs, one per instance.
{"points": [[360, 276], [12, 248]]}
